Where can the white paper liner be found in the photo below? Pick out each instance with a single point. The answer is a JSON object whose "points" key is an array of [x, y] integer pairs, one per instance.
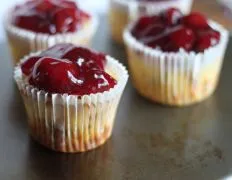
{"points": [[68, 123], [175, 78], [26, 41]]}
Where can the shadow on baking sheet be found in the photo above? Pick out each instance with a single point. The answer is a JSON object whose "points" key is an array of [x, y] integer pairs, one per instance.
{"points": [[89, 165]]}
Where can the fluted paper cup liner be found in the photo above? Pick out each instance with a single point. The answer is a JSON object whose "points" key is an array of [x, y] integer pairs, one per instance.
{"points": [[70, 123], [177, 79], [23, 42], [124, 11]]}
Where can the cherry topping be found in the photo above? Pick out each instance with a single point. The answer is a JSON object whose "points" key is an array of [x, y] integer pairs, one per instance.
{"points": [[196, 20], [78, 53], [49, 16], [172, 16], [66, 68], [30, 21], [158, 42], [206, 39], [143, 23], [28, 65], [151, 30], [183, 37], [95, 81], [64, 20], [43, 6], [55, 75], [171, 31]]}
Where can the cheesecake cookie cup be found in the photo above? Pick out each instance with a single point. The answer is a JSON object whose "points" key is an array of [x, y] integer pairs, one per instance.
{"points": [[181, 77], [37, 25], [121, 12], [67, 122]]}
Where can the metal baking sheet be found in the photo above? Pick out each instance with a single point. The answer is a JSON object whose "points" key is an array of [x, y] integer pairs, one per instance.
{"points": [[149, 141]]}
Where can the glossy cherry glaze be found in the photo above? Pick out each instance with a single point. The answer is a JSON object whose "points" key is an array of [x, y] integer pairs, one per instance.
{"points": [[66, 68], [171, 30], [49, 16]]}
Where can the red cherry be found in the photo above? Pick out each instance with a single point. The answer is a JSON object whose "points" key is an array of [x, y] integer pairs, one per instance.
{"points": [[96, 81], [53, 75], [143, 23], [207, 39], [44, 5], [183, 37], [196, 21], [85, 57], [29, 21], [160, 42], [65, 20], [172, 16], [28, 65]]}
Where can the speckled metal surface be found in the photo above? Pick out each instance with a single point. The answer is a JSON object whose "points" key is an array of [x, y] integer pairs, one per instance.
{"points": [[149, 141]]}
